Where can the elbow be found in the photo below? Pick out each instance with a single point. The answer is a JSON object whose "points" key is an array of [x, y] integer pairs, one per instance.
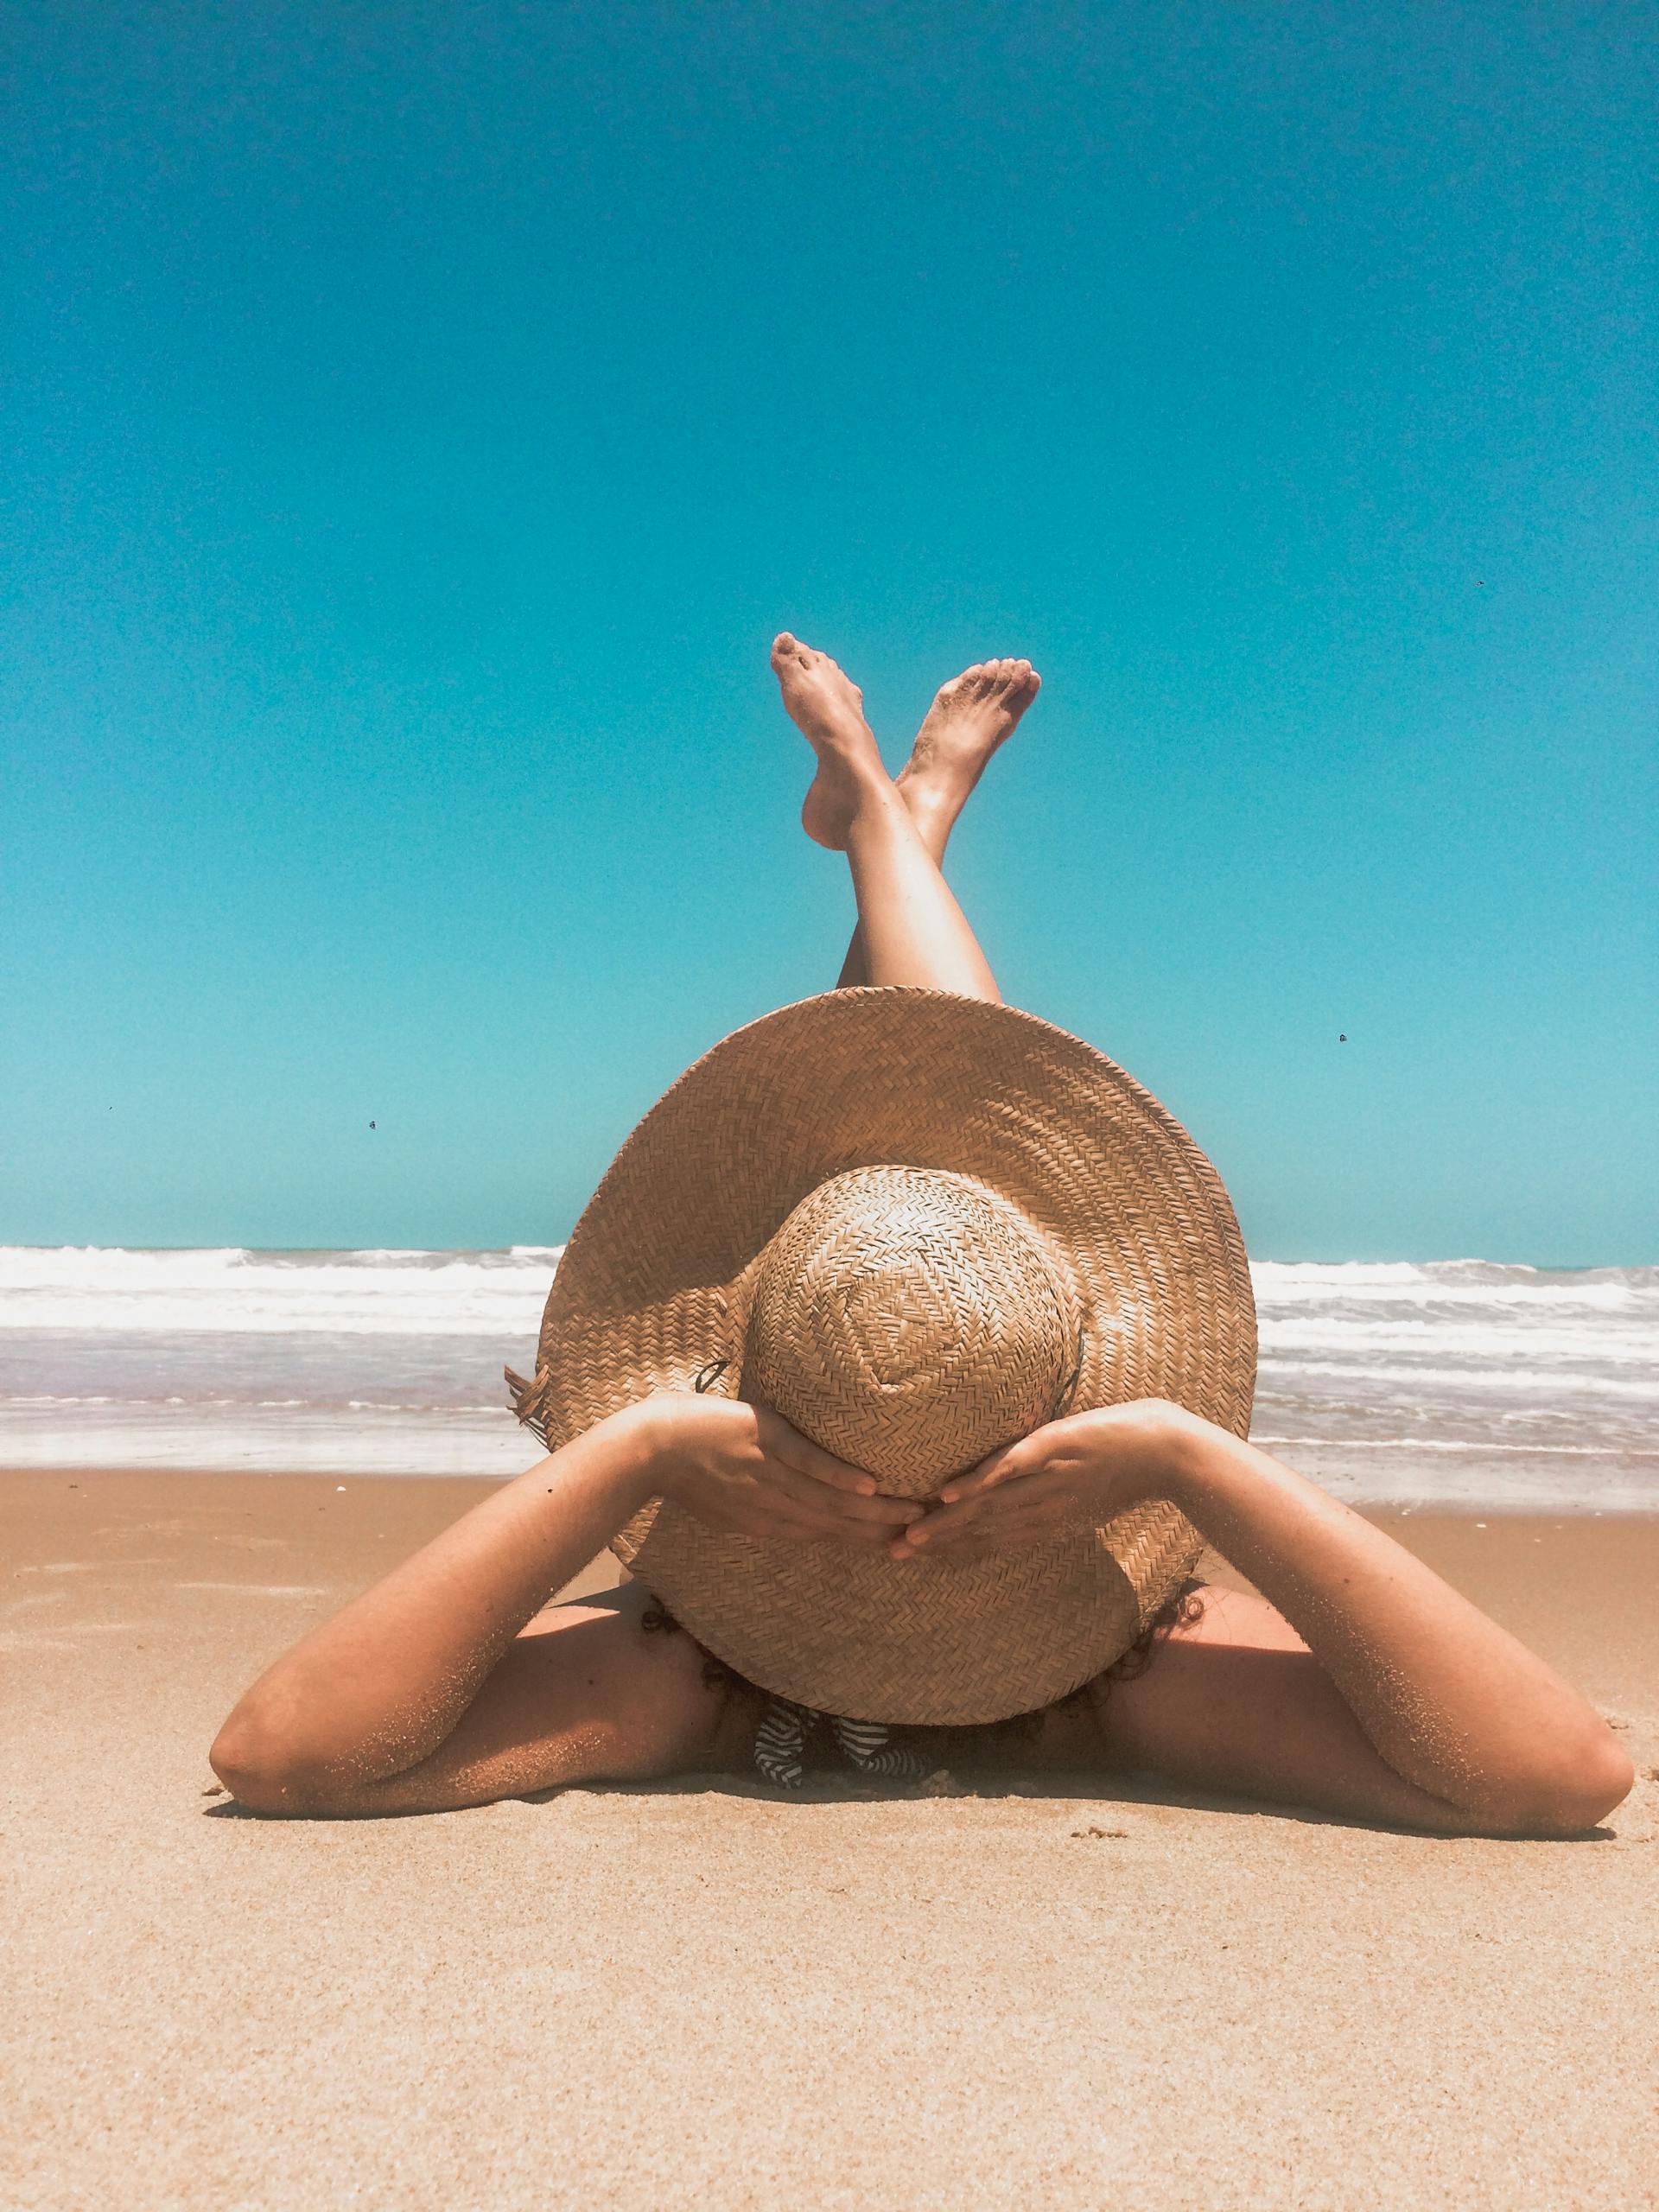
{"points": [[1597, 1783], [264, 1770], [1577, 1790]]}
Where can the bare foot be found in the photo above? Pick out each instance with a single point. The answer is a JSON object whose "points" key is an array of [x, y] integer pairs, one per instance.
{"points": [[969, 719], [827, 709]]}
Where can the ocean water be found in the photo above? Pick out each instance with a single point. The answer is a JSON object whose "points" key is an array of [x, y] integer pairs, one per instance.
{"points": [[1456, 1382]]}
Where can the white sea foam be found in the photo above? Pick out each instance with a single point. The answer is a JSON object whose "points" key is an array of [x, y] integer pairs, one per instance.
{"points": [[224, 1291], [1464, 1381]]}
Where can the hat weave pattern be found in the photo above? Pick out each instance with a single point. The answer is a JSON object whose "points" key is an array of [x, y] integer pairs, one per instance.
{"points": [[912, 1223], [910, 1322]]}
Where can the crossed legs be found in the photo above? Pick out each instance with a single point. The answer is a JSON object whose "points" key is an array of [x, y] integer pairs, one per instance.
{"points": [[911, 929]]}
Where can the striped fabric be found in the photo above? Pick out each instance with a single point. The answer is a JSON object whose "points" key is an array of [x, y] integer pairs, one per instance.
{"points": [[780, 1745]]}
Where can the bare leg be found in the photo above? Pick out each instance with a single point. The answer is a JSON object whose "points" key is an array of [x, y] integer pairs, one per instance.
{"points": [[969, 719], [913, 930]]}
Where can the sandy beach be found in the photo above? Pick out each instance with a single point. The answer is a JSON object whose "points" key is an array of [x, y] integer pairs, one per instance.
{"points": [[711, 1996], [703, 1995]]}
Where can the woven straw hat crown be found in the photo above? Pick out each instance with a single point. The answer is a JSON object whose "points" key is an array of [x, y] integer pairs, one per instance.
{"points": [[910, 1321]]}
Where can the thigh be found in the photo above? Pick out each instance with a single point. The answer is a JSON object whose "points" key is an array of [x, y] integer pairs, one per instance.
{"points": [[584, 1694]]}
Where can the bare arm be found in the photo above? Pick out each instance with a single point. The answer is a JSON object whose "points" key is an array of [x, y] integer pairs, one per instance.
{"points": [[1469, 1729], [379, 1687], [1453, 1703], [373, 1693]]}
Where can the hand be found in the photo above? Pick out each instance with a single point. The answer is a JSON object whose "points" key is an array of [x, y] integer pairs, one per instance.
{"points": [[1074, 1472], [744, 1469]]}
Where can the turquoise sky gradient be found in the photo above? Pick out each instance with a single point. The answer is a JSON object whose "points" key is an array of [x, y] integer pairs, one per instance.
{"points": [[420, 418]]}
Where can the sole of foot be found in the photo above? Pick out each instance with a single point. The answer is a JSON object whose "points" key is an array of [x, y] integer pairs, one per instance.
{"points": [[827, 707], [970, 717]]}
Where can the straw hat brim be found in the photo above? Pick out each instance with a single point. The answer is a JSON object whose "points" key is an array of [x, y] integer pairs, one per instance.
{"points": [[652, 1288]]}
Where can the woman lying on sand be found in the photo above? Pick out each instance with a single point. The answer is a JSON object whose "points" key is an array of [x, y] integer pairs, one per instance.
{"points": [[1357, 1683]]}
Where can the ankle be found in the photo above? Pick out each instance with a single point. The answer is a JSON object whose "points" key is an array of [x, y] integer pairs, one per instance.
{"points": [[933, 813], [877, 814]]}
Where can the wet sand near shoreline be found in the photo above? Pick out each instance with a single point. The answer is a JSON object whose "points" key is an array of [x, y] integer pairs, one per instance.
{"points": [[701, 1994]]}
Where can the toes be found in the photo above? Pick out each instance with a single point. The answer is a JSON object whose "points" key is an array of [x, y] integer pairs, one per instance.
{"points": [[829, 666], [989, 679]]}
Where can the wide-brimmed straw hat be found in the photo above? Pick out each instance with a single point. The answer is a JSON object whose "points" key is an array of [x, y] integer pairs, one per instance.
{"points": [[919, 1226]]}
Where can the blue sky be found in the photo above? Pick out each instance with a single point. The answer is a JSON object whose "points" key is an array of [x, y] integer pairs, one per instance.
{"points": [[420, 418]]}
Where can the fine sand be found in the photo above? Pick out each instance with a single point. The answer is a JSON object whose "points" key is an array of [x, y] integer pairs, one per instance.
{"points": [[703, 1995]]}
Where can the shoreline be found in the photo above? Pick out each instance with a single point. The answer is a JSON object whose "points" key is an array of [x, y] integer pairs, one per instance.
{"points": [[469, 1479]]}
